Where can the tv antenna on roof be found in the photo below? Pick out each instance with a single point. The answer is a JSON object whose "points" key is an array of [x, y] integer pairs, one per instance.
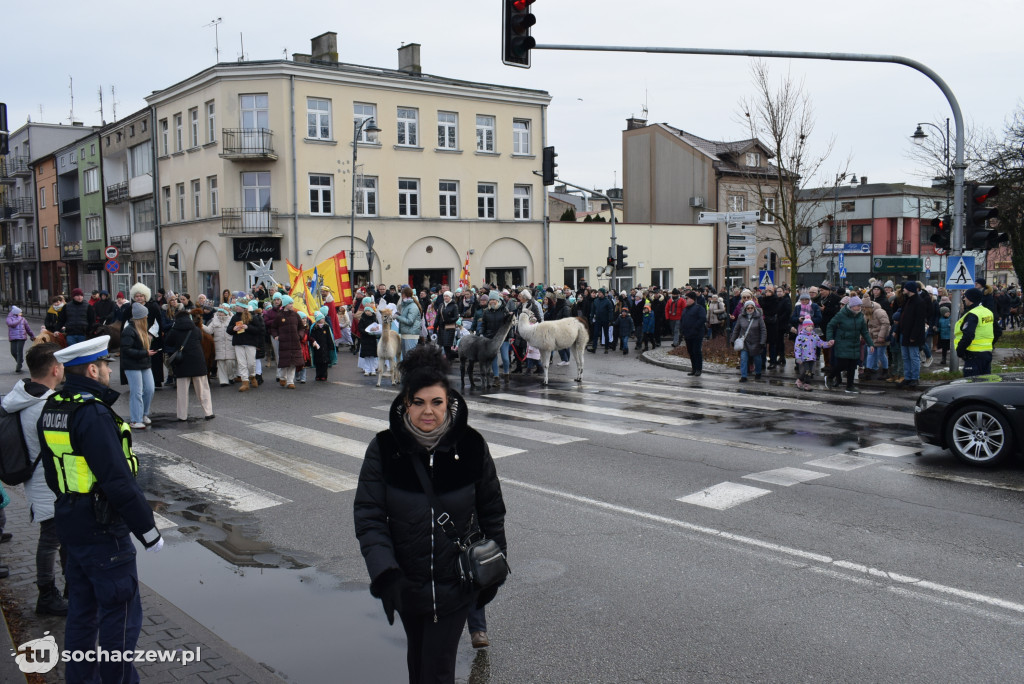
{"points": [[216, 35]]}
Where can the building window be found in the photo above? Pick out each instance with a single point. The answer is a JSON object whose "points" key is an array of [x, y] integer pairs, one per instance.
{"points": [[574, 277], [93, 228], [143, 125], [46, 237], [146, 274], [486, 198], [937, 205], [181, 201], [848, 206], [255, 111], [92, 150], [81, 154], [521, 203], [485, 134], [449, 199], [164, 138], [92, 180], [211, 122], [361, 112], [408, 197], [144, 214], [804, 236], [927, 230], [141, 157], [193, 127], [197, 199], [700, 277], [256, 191], [520, 137], [318, 118], [753, 158], [211, 189], [862, 234], [366, 196], [407, 127], [662, 277], [320, 194], [167, 202], [179, 140], [42, 198], [737, 203], [53, 194], [447, 128], [768, 214]]}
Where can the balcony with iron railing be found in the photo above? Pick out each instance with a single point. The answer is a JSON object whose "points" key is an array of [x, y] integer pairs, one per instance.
{"points": [[118, 192], [249, 222], [899, 247], [14, 165], [71, 250], [15, 207], [70, 206], [20, 251], [248, 143], [122, 242]]}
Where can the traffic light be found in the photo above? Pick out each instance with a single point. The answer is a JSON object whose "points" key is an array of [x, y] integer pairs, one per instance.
{"points": [[620, 261], [4, 133], [976, 230], [611, 262], [943, 232], [172, 259], [516, 41], [548, 168]]}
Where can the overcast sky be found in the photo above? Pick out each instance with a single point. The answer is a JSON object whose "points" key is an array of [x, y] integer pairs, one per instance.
{"points": [[870, 109]]}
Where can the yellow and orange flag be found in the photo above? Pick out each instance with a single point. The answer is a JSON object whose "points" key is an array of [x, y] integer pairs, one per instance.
{"points": [[308, 286]]}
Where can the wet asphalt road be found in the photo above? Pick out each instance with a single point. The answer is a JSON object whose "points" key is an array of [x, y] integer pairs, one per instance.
{"points": [[840, 566]]}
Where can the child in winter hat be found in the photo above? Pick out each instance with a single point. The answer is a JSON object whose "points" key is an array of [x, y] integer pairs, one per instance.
{"points": [[805, 351]]}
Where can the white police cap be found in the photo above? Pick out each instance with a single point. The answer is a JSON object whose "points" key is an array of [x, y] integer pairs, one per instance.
{"points": [[82, 353]]}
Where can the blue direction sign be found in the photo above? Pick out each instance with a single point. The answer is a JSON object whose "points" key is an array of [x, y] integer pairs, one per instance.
{"points": [[960, 273], [112, 266]]}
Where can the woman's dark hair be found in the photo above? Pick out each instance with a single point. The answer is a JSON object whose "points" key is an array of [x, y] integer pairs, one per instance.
{"points": [[423, 366]]}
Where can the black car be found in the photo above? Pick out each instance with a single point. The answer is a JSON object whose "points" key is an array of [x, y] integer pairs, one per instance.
{"points": [[981, 420]]}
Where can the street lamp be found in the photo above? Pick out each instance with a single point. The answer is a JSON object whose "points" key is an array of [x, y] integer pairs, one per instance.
{"points": [[919, 137], [840, 179], [369, 126]]}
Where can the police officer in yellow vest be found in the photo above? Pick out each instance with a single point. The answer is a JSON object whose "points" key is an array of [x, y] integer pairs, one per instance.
{"points": [[90, 466], [975, 334]]}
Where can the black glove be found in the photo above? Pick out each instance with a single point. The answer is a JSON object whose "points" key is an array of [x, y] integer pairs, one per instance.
{"points": [[486, 596], [389, 587]]}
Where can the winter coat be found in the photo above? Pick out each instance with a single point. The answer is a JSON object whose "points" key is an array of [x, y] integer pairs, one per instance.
{"points": [[269, 316], [601, 311], [51, 321], [784, 311], [192, 362], [224, 351], [624, 327], [878, 323], [368, 341], [77, 319], [913, 316], [674, 308], [252, 336], [321, 334], [558, 311], [409, 318], [17, 326], [648, 324], [945, 326], [806, 346], [28, 397], [693, 323], [799, 314], [848, 329], [104, 309], [288, 328], [830, 306], [738, 309], [716, 313], [393, 516], [491, 320], [769, 309], [752, 327], [133, 355]]}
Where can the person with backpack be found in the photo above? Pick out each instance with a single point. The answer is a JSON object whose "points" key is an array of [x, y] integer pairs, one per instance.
{"points": [[25, 401]]}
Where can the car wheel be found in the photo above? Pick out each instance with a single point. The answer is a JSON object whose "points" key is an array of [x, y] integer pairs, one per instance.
{"points": [[979, 435]]}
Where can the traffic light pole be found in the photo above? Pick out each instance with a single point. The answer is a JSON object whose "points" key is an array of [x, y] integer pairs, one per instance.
{"points": [[958, 120]]}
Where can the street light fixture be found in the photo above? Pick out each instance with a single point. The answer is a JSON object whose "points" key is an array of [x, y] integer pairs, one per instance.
{"points": [[840, 179], [919, 137], [367, 125]]}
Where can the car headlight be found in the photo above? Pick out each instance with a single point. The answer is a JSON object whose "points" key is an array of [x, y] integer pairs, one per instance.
{"points": [[926, 402]]}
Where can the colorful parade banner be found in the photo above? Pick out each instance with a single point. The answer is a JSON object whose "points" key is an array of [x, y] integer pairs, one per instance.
{"points": [[464, 274], [327, 282]]}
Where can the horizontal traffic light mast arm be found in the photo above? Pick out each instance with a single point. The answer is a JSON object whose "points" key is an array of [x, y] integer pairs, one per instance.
{"points": [[958, 118], [593, 192]]}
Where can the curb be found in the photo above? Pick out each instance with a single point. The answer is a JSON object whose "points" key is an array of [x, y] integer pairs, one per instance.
{"points": [[9, 670]]}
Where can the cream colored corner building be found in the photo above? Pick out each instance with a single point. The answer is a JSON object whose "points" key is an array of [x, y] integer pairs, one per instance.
{"points": [[254, 160]]}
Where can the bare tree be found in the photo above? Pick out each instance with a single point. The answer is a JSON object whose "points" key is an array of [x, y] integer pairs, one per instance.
{"points": [[779, 114], [1002, 163]]}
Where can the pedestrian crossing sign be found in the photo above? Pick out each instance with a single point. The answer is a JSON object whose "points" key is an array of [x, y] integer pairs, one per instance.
{"points": [[766, 279], [960, 273]]}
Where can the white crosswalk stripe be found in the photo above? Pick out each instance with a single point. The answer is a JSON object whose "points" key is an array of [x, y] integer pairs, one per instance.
{"points": [[213, 484], [724, 495], [587, 408], [786, 477], [699, 395], [302, 469], [321, 440], [725, 442]]}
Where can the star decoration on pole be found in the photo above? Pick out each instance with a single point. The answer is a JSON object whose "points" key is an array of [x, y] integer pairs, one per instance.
{"points": [[264, 273]]}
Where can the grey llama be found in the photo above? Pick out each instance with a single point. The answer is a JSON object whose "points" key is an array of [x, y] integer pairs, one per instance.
{"points": [[479, 349]]}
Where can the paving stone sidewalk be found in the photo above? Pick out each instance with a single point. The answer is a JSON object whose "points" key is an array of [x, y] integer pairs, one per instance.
{"points": [[164, 627]]}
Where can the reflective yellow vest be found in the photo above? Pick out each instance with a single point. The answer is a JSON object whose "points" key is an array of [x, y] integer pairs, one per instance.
{"points": [[984, 333], [73, 473]]}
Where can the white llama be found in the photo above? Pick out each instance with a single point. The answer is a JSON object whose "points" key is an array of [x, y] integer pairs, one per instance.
{"points": [[551, 335]]}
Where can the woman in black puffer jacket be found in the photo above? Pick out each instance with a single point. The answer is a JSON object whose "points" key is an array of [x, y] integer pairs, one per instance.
{"points": [[413, 565], [190, 368]]}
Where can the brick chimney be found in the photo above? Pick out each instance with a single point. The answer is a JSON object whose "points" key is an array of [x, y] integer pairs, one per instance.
{"points": [[409, 59], [325, 47]]}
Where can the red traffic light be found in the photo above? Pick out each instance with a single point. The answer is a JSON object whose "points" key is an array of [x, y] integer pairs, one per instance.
{"points": [[516, 41], [521, 5], [983, 193]]}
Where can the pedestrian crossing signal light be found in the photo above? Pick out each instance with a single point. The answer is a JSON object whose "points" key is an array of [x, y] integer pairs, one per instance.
{"points": [[943, 232], [611, 262], [620, 253], [516, 41], [548, 167], [979, 235]]}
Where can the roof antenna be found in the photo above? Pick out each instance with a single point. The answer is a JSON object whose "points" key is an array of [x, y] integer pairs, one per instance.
{"points": [[645, 105], [71, 88], [216, 36], [113, 102], [99, 91]]}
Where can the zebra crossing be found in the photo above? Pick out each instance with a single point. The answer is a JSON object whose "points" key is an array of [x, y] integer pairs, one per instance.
{"points": [[338, 441]]}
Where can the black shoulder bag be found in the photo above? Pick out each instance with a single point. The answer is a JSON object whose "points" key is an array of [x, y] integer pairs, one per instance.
{"points": [[174, 357], [481, 561]]}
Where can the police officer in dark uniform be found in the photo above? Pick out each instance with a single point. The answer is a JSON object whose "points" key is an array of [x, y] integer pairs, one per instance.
{"points": [[90, 466]]}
